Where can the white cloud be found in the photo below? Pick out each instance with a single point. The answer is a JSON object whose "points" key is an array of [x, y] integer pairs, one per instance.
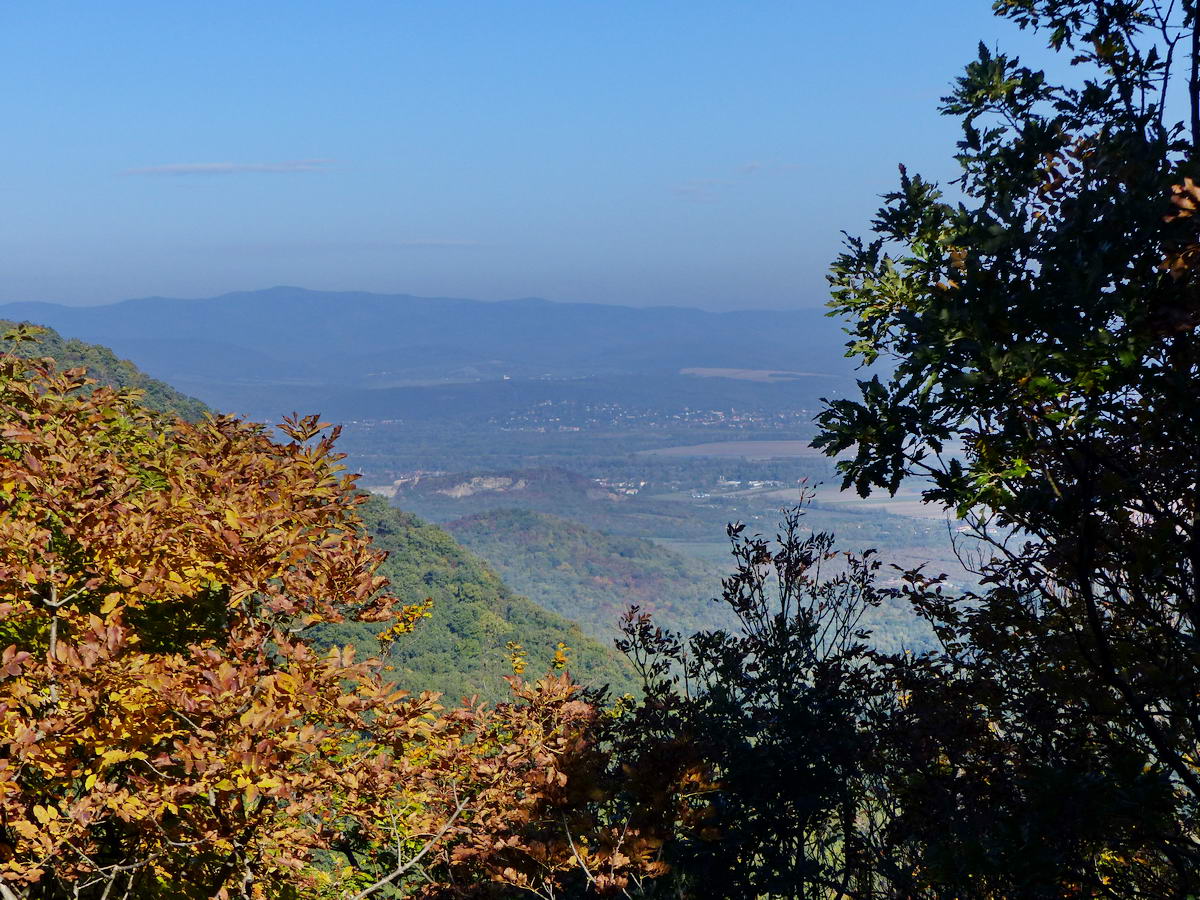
{"points": [[433, 242], [232, 168], [320, 247], [698, 189], [702, 190]]}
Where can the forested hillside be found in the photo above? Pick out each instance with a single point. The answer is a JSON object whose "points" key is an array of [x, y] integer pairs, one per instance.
{"points": [[460, 649], [105, 367], [553, 490], [590, 576]]}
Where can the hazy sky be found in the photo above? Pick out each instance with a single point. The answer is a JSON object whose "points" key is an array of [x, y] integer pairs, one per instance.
{"points": [[642, 152]]}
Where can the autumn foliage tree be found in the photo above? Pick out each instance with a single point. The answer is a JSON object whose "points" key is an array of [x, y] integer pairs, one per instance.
{"points": [[167, 728]]}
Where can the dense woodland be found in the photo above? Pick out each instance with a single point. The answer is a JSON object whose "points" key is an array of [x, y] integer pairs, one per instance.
{"points": [[209, 687], [460, 650]]}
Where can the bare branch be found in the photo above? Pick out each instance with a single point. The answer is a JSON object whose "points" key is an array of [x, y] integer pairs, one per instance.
{"points": [[405, 867]]}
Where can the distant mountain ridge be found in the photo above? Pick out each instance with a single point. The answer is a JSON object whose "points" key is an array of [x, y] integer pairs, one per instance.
{"points": [[293, 335]]}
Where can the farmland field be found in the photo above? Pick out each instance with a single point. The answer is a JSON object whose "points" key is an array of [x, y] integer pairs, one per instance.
{"points": [[742, 450]]}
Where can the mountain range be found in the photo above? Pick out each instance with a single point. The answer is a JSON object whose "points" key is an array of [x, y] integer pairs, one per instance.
{"points": [[290, 335]]}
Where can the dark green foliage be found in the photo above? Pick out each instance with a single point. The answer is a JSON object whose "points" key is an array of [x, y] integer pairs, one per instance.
{"points": [[763, 729], [104, 366], [1011, 771], [592, 577], [790, 760], [1038, 361], [460, 651], [1043, 370]]}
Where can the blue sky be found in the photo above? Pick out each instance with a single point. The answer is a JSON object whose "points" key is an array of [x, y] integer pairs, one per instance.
{"points": [[686, 153]]}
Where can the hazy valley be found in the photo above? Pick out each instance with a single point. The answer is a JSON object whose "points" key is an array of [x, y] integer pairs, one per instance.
{"points": [[591, 475]]}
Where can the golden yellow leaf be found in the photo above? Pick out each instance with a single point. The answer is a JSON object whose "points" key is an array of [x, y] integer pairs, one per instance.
{"points": [[25, 829]]}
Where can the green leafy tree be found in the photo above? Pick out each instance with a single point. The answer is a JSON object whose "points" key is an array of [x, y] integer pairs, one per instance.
{"points": [[103, 366], [1037, 332]]}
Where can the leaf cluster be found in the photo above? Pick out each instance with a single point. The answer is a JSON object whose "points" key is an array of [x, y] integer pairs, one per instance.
{"points": [[169, 727]]}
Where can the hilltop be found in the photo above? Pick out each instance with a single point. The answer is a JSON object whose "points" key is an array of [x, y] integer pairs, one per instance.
{"points": [[549, 489]]}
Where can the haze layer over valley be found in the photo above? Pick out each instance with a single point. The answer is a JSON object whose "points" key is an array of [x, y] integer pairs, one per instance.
{"points": [[631, 437]]}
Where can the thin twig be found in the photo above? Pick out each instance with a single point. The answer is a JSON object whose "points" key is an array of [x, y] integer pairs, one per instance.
{"points": [[401, 869]]}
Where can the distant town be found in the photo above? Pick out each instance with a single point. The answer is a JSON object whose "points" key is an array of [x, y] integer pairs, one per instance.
{"points": [[572, 415]]}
